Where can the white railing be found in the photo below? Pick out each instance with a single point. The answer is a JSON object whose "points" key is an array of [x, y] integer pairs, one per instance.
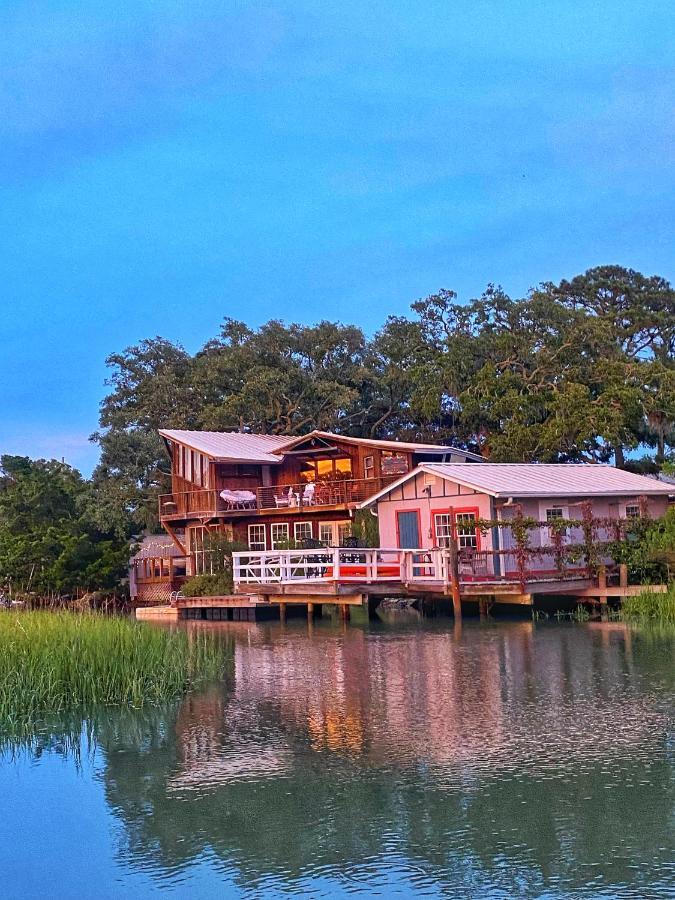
{"points": [[339, 564]]}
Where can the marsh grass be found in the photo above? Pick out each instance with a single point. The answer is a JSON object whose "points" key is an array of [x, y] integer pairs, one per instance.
{"points": [[55, 662], [650, 607]]}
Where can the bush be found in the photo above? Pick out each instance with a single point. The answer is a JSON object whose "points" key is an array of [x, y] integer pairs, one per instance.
{"points": [[216, 585]]}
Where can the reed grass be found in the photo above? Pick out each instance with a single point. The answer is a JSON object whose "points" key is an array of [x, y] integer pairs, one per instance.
{"points": [[650, 607], [51, 662]]}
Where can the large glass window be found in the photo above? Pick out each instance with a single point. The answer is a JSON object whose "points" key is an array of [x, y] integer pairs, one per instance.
{"points": [[343, 467], [278, 534], [257, 539], [326, 469]]}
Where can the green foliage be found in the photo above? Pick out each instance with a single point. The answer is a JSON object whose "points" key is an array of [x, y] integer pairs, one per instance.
{"points": [[218, 581], [366, 528], [50, 539], [650, 607], [217, 585], [581, 370], [649, 548], [51, 662]]}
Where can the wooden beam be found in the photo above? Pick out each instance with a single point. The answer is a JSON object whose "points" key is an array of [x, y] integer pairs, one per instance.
{"points": [[174, 538]]}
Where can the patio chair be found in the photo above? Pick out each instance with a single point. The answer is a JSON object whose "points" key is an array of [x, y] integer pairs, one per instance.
{"points": [[308, 494]]}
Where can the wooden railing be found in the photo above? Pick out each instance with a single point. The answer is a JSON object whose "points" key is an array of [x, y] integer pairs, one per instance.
{"points": [[339, 564], [394, 565], [319, 493], [208, 502], [183, 504]]}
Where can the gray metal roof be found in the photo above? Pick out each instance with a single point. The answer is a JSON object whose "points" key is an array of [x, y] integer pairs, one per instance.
{"points": [[540, 480], [236, 446], [230, 446]]}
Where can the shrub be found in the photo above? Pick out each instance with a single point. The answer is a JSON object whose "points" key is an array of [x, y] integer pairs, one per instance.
{"points": [[216, 585]]}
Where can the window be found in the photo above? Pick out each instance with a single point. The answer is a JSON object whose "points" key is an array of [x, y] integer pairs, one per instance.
{"points": [[302, 531], [632, 510], [333, 534], [369, 467], [467, 534], [344, 531], [326, 469], [443, 529], [278, 534], [465, 529], [343, 466], [257, 539], [394, 463], [553, 514]]}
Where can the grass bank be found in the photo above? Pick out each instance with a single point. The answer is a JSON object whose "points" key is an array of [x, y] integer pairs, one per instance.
{"points": [[650, 607], [57, 661]]}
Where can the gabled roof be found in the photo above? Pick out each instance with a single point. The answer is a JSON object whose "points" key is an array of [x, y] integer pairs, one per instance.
{"points": [[439, 449], [156, 545], [503, 480], [237, 446], [230, 446]]}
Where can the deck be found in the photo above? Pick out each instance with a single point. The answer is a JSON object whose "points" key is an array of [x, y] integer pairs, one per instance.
{"points": [[395, 572], [271, 499]]}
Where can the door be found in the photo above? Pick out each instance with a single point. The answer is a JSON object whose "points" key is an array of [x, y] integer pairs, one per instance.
{"points": [[408, 529]]}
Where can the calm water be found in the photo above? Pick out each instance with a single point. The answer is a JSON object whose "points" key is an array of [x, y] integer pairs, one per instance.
{"points": [[400, 758]]}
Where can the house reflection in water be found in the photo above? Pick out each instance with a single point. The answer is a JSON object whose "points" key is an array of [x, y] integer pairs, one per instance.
{"points": [[497, 748]]}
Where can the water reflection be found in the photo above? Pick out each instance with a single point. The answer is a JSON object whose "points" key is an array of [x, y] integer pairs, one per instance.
{"points": [[502, 761]]}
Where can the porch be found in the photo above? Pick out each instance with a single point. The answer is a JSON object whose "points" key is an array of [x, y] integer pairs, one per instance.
{"points": [[208, 503]]}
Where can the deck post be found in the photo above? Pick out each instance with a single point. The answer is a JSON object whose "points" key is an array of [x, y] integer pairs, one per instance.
{"points": [[310, 611], [602, 585], [336, 563], [623, 575], [282, 613], [453, 573]]}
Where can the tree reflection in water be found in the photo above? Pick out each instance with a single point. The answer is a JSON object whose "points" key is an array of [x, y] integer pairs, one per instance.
{"points": [[510, 759]]}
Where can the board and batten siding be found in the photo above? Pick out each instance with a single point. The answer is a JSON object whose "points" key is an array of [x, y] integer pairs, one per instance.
{"points": [[443, 497]]}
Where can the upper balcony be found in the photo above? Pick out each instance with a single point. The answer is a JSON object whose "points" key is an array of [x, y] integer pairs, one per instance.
{"points": [[282, 498]]}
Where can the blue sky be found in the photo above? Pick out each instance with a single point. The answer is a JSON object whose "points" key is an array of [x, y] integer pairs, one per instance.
{"points": [[165, 164]]}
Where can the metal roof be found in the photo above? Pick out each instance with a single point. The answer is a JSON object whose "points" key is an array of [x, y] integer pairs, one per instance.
{"points": [[230, 446], [505, 480], [383, 445], [156, 545], [236, 446]]}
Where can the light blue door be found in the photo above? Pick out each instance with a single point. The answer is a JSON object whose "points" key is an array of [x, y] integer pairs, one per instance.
{"points": [[408, 530]]}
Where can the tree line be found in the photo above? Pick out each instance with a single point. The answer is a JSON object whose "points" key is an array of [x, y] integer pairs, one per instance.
{"points": [[579, 370]]}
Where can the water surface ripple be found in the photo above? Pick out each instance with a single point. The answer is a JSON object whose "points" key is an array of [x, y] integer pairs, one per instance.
{"points": [[398, 758]]}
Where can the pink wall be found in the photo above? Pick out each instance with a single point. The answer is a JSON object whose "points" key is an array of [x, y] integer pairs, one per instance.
{"points": [[445, 496]]}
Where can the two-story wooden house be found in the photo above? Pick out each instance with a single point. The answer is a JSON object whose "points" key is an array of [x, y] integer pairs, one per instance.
{"points": [[267, 491]]}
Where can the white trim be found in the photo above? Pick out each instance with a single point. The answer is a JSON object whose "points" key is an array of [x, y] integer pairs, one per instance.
{"points": [[273, 540], [545, 533], [264, 528], [302, 524]]}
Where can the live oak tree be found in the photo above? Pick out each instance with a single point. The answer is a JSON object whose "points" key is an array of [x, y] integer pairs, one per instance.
{"points": [[580, 370]]}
